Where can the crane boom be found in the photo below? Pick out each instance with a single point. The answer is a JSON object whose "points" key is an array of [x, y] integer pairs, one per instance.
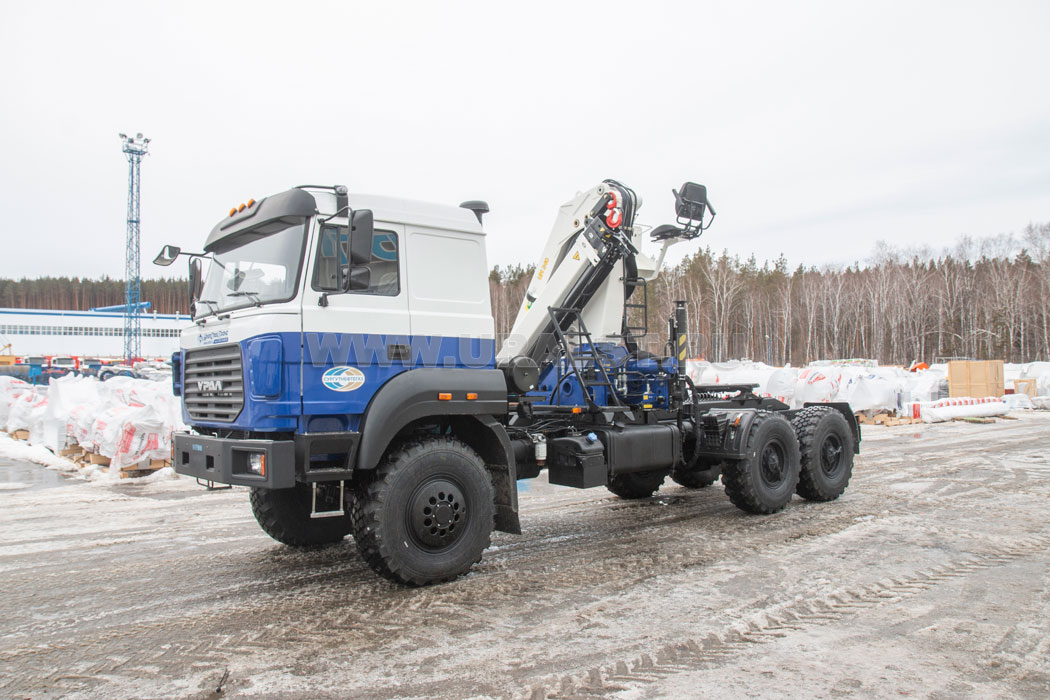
{"points": [[593, 249]]}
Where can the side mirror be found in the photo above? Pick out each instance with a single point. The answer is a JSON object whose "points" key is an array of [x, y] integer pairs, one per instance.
{"points": [[167, 255], [691, 202], [360, 278], [361, 232], [196, 279]]}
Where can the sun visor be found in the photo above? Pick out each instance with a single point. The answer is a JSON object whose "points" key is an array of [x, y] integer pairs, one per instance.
{"points": [[265, 217]]}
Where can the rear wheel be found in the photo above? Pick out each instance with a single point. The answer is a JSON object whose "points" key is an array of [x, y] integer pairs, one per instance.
{"points": [[764, 481], [284, 514], [826, 446], [426, 514], [636, 484], [702, 475]]}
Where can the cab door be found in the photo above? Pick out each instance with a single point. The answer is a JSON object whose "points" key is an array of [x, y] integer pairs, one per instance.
{"points": [[353, 341]]}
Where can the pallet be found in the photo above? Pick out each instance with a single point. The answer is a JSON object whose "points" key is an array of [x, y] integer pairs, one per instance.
{"points": [[901, 421], [94, 458], [887, 419], [20, 435], [135, 473]]}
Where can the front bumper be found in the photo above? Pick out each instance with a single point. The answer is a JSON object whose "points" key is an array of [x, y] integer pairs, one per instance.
{"points": [[306, 458], [225, 460]]}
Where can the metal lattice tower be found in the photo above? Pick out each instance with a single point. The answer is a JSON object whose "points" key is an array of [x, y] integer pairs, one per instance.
{"points": [[134, 148]]}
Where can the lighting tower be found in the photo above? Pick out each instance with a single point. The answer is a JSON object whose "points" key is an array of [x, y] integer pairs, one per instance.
{"points": [[134, 148]]}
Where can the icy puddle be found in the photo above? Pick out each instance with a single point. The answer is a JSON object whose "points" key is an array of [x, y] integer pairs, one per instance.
{"points": [[26, 476]]}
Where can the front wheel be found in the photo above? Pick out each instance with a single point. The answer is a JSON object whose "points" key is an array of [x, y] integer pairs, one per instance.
{"points": [[284, 514], [765, 479], [426, 514]]}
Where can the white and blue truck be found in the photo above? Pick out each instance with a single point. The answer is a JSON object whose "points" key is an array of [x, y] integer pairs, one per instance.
{"points": [[342, 364]]}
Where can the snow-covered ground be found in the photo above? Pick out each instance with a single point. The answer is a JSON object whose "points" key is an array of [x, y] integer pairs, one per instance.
{"points": [[929, 578]]}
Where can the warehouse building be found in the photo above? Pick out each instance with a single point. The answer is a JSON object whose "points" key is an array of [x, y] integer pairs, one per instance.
{"points": [[86, 333]]}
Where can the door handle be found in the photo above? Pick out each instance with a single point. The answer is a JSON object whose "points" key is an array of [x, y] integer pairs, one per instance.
{"points": [[397, 352]]}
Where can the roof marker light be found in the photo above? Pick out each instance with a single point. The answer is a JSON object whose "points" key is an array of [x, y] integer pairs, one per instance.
{"points": [[241, 208], [444, 396], [233, 211]]}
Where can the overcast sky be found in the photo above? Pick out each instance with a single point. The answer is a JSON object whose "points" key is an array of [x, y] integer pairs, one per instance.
{"points": [[819, 128]]}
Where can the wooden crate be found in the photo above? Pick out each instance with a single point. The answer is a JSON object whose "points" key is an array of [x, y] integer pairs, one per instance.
{"points": [[1026, 386], [975, 378]]}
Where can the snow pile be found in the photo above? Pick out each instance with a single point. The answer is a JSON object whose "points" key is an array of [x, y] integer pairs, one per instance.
{"points": [[128, 420]]}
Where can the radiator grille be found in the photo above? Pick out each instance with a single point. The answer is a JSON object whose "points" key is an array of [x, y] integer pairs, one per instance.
{"points": [[214, 385]]}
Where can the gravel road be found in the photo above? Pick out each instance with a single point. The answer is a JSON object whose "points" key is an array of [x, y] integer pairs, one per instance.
{"points": [[929, 578]]}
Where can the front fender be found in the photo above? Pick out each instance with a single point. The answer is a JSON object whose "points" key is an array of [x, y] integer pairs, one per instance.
{"points": [[416, 394]]}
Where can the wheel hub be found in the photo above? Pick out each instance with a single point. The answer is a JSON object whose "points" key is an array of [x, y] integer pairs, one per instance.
{"points": [[438, 514], [830, 455], [772, 464]]}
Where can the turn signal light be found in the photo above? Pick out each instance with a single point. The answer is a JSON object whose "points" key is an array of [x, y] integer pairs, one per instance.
{"points": [[577, 409], [444, 396], [471, 396]]}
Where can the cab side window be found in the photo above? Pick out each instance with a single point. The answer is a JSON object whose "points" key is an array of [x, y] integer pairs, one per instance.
{"points": [[331, 267]]}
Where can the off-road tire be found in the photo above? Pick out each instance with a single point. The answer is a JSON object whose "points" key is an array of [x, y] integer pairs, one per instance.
{"points": [[427, 512], [700, 477], [284, 514], [764, 481], [636, 484], [826, 446]]}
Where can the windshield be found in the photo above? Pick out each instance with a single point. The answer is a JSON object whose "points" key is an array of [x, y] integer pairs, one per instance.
{"points": [[261, 270]]}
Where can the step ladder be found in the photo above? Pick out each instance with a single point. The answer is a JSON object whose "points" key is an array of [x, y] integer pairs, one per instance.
{"points": [[568, 323], [633, 333]]}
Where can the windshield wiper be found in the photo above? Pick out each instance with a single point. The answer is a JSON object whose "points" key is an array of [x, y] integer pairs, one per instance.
{"points": [[245, 293], [214, 305]]}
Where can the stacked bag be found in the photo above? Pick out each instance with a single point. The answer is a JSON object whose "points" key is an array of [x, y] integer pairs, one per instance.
{"points": [[125, 419]]}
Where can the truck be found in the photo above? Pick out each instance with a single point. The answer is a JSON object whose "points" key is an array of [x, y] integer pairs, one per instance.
{"points": [[343, 365]]}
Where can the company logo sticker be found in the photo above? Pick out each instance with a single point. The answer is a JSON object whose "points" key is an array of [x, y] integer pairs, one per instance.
{"points": [[213, 337], [343, 378]]}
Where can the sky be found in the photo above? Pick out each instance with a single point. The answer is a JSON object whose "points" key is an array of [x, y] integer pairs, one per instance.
{"points": [[819, 128]]}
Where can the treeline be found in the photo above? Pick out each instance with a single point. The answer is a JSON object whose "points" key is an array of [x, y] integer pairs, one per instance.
{"points": [[80, 294], [986, 298]]}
